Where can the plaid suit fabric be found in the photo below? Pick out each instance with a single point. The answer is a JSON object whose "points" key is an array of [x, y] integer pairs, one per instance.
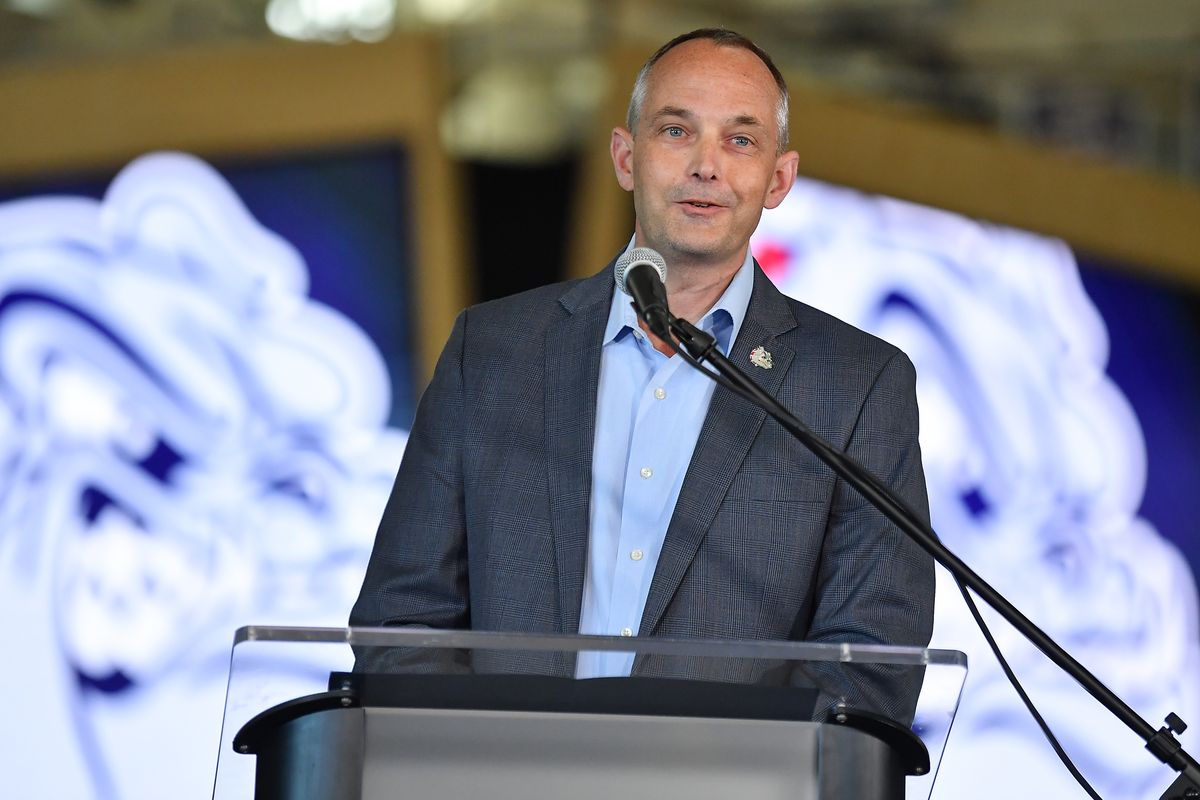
{"points": [[487, 523]]}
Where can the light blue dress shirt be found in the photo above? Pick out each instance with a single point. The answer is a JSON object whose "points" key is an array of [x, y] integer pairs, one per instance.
{"points": [[649, 410]]}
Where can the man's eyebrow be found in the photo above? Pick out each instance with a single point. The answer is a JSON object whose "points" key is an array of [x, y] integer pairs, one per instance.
{"points": [[749, 120], [672, 111]]}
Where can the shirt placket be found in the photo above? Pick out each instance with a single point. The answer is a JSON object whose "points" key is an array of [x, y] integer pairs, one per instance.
{"points": [[647, 486]]}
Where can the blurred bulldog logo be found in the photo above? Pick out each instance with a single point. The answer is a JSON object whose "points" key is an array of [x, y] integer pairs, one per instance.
{"points": [[188, 443], [1036, 468]]}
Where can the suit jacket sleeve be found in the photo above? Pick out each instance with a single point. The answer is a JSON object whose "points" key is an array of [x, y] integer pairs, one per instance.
{"points": [[417, 574], [874, 585]]}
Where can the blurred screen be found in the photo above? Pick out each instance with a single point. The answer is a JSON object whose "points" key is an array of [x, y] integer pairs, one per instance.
{"points": [[1058, 451], [205, 380], [1154, 341]]}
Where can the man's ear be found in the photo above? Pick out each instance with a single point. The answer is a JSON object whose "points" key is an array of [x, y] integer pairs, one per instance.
{"points": [[622, 157], [782, 178]]}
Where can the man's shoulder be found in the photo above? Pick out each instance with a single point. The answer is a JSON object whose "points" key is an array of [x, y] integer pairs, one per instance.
{"points": [[536, 308], [841, 333], [821, 333]]}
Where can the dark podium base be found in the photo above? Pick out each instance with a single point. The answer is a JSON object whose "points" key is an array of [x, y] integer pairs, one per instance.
{"points": [[328, 747]]}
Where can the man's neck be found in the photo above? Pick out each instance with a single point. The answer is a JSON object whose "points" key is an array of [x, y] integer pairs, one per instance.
{"points": [[693, 287], [692, 292]]}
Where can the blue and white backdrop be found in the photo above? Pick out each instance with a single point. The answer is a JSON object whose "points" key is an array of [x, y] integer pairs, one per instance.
{"points": [[202, 408]]}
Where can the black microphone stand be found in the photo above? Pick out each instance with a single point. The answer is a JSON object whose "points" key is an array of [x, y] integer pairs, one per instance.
{"points": [[1162, 743]]}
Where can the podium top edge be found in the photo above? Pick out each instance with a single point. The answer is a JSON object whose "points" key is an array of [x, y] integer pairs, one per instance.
{"points": [[418, 637]]}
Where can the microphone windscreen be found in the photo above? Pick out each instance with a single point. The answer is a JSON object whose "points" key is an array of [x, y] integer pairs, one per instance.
{"points": [[639, 255]]}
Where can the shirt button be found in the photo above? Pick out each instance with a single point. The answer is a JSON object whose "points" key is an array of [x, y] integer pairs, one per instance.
{"points": [[647, 472], [636, 555], [627, 631], [660, 393]]}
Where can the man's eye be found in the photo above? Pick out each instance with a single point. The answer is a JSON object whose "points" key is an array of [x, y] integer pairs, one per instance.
{"points": [[675, 131], [742, 141]]}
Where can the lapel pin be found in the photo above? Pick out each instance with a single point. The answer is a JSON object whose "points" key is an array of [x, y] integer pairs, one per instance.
{"points": [[759, 357]]}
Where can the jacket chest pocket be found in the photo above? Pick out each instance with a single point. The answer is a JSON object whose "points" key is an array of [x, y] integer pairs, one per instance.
{"points": [[773, 487]]}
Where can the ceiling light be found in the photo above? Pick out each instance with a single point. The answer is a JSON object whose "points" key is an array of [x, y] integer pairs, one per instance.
{"points": [[332, 20]]}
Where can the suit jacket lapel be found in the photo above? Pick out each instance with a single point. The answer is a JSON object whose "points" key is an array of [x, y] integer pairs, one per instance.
{"points": [[572, 374], [725, 438]]}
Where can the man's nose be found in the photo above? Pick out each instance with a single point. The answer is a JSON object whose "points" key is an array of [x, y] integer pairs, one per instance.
{"points": [[705, 158]]}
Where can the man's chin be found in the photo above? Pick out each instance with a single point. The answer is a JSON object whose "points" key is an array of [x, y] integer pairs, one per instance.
{"points": [[696, 252]]}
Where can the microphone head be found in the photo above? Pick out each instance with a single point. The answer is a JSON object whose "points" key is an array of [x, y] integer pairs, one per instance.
{"points": [[639, 255]]}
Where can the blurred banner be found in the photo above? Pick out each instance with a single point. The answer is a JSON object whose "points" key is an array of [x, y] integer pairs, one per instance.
{"points": [[1036, 465], [192, 438]]}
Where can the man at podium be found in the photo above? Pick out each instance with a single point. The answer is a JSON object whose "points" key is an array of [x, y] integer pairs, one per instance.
{"points": [[568, 473]]}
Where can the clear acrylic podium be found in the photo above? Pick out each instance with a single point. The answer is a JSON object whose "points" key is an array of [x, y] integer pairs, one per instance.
{"points": [[343, 714]]}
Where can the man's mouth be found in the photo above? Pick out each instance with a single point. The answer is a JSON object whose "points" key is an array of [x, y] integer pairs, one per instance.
{"points": [[699, 204]]}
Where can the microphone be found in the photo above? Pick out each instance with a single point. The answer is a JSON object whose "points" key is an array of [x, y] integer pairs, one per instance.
{"points": [[641, 273]]}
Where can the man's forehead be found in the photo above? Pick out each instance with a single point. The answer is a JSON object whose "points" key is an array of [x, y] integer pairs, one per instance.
{"points": [[700, 63], [705, 55]]}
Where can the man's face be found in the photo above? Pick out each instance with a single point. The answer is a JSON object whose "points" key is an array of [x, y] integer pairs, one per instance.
{"points": [[702, 161]]}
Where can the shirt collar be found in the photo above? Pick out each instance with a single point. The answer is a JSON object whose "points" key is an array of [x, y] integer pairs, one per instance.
{"points": [[723, 320]]}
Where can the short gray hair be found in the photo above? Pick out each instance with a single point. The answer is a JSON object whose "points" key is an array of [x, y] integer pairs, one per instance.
{"points": [[722, 38]]}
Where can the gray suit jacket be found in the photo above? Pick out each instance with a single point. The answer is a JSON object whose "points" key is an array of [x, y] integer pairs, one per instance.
{"points": [[487, 524]]}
